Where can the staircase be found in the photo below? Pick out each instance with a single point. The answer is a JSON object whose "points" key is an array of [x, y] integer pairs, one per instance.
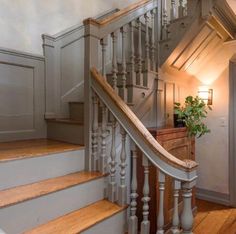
{"points": [[71, 182]]}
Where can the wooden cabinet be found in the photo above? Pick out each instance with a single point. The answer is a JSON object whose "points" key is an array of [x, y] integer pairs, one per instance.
{"points": [[175, 141]]}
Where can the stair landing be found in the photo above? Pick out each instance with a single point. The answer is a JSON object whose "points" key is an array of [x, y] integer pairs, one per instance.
{"points": [[33, 148]]}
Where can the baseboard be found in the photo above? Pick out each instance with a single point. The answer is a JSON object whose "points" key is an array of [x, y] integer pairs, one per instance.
{"points": [[212, 196]]}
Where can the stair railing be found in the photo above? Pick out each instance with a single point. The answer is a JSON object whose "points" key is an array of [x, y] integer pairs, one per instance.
{"points": [[182, 172], [115, 35], [172, 10], [109, 36]]}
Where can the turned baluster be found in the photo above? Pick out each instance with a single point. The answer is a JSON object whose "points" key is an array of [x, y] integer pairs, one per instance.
{"points": [[147, 44], [133, 219], [181, 8], [123, 91], [104, 46], [103, 154], [186, 218], [173, 10], [160, 217], [153, 63], [175, 220], [122, 190], [164, 20], [132, 56], [114, 60], [112, 186], [139, 54], [145, 225], [94, 163]]}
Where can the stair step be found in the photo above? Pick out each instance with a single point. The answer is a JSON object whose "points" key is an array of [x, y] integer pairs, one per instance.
{"points": [[80, 220], [36, 160], [26, 192], [33, 148], [77, 111], [66, 130]]}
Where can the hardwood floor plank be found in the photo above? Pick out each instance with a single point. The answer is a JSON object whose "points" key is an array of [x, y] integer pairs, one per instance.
{"points": [[210, 218], [229, 226], [25, 192]]}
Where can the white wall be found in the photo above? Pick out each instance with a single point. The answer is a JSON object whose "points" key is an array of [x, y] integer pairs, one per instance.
{"points": [[212, 149], [22, 21]]}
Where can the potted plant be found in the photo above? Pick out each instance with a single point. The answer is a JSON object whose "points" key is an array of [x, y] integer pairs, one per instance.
{"points": [[192, 114]]}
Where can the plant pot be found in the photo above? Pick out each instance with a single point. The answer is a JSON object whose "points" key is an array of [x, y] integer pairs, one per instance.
{"points": [[178, 123]]}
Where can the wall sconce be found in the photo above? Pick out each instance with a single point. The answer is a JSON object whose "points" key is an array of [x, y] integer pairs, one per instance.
{"points": [[206, 94]]}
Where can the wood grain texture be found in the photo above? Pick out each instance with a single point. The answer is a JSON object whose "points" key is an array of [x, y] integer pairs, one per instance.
{"points": [[144, 134], [116, 15], [214, 218], [80, 220], [33, 148], [26, 192]]}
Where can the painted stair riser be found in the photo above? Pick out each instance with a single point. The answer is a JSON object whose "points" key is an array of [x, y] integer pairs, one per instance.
{"points": [[76, 110], [27, 215], [26, 171], [115, 225], [71, 133]]}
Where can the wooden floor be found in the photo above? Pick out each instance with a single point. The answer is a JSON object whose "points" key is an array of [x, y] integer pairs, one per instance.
{"points": [[32, 148], [214, 219]]}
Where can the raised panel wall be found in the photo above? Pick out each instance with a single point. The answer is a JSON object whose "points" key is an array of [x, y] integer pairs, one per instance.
{"points": [[22, 96]]}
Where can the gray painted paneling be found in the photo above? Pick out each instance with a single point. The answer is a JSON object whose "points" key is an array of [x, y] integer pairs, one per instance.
{"points": [[22, 98]]}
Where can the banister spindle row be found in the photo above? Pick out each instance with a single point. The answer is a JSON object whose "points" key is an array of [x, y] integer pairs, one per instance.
{"points": [[124, 68], [118, 193]]}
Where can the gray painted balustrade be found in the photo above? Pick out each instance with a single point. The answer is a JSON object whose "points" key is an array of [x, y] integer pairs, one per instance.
{"points": [[187, 214], [95, 133], [135, 59], [173, 10], [181, 8], [103, 153], [145, 225], [123, 90], [175, 221], [133, 219], [153, 62], [112, 186], [114, 60], [160, 216], [104, 50], [164, 20], [132, 56], [122, 190], [139, 76]]}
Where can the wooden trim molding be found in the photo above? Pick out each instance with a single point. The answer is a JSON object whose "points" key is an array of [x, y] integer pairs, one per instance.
{"points": [[212, 196], [116, 15], [137, 131]]}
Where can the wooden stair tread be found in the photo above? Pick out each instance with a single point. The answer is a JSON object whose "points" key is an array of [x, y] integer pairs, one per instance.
{"points": [[33, 148], [80, 220], [65, 121], [26, 192]]}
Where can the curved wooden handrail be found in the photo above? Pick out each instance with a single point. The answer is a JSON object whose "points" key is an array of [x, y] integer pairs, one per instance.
{"points": [[136, 126], [117, 14]]}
